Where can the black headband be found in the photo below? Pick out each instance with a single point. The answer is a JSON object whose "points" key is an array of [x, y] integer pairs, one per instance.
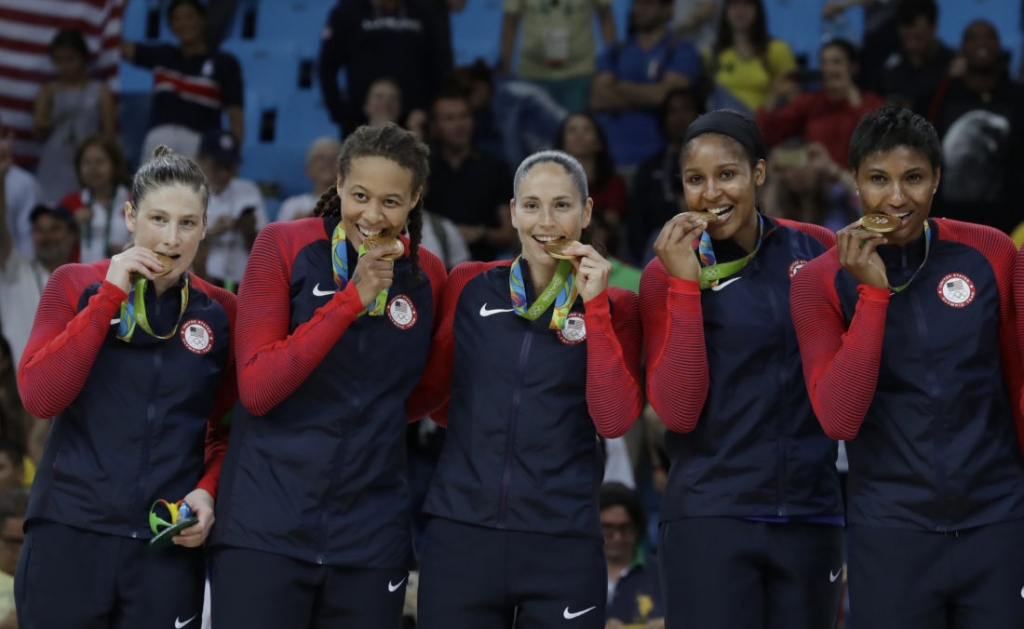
{"points": [[733, 124]]}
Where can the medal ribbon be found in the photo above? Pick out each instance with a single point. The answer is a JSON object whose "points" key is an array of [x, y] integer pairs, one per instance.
{"points": [[561, 291], [133, 312], [710, 272], [927, 246], [339, 259]]}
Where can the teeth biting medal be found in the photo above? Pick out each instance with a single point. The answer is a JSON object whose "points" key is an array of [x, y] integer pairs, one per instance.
{"points": [[880, 223], [556, 248]]}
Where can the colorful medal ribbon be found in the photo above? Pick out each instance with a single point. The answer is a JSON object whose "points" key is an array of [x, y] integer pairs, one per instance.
{"points": [[339, 257], [710, 272], [562, 291], [133, 312], [177, 510], [927, 246]]}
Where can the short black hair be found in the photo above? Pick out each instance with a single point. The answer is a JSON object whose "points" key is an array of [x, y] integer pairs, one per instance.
{"points": [[14, 451], [72, 39], [691, 92], [848, 48], [199, 6], [618, 495], [890, 126], [909, 10]]}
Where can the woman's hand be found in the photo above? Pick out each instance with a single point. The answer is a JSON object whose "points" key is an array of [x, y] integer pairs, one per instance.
{"points": [[592, 271], [372, 275], [201, 503], [674, 246], [858, 255], [135, 260]]}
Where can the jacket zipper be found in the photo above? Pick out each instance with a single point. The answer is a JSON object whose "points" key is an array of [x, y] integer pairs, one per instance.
{"points": [[513, 412], [158, 361]]}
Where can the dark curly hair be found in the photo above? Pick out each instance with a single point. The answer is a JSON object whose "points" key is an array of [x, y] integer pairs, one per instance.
{"points": [[391, 142]]}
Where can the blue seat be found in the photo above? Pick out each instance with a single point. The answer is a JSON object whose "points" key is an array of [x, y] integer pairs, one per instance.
{"points": [[282, 167], [296, 20], [269, 67], [302, 118]]}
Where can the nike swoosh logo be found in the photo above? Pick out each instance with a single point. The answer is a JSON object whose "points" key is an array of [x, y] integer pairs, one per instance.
{"points": [[178, 624], [484, 312], [722, 285], [394, 586], [322, 293], [832, 577], [115, 321], [570, 615]]}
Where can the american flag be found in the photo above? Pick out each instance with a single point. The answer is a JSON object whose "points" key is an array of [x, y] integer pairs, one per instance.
{"points": [[26, 29]]}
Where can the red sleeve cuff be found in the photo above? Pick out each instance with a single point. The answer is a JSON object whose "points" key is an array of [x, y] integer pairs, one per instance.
{"points": [[599, 305], [683, 287], [873, 293], [112, 292]]}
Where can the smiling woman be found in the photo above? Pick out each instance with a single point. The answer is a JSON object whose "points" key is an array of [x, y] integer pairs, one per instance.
{"points": [[742, 439], [546, 357], [133, 362], [315, 486], [909, 355]]}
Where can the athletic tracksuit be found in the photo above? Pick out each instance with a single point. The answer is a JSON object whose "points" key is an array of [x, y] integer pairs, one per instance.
{"points": [[752, 511], [133, 422], [313, 522], [515, 527], [924, 385]]}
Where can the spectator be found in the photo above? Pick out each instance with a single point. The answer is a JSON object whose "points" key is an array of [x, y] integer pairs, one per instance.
{"points": [[880, 40], [581, 137], [235, 213], [99, 206], [746, 65], [54, 232], [442, 238], [805, 185], [321, 168], [557, 47], [634, 592], [633, 77], [12, 469], [828, 116], [68, 110], [467, 187], [15, 422], [980, 118], [20, 193], [694, 21], [193, 84], [13, 505], [477, 82], [657, 192], [371, 39], [913, 74], [383, 102]]}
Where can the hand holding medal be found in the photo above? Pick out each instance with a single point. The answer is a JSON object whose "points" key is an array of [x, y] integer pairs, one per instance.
{"points": [[675, 244], [186, 522], [592, 270], [375, 270], [857, 243], [127, 266]]}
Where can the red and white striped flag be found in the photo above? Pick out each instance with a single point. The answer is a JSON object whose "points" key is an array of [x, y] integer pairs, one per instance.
{"points": [[26, 29]]}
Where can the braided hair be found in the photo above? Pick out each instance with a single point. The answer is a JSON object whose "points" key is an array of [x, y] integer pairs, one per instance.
{"points": [[392, 142]]}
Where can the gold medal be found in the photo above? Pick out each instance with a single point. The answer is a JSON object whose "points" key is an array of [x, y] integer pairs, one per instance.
{"points": [[167, 262], [880, 223], [704, 216], [555, 248]]}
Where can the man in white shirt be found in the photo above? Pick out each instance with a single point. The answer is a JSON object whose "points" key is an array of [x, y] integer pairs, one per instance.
{"points": [[322, 170], [21, 193], [235, 214]]}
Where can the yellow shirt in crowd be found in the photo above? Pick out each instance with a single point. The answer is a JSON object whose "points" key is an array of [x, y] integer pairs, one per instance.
{"points": [[750, 79]]}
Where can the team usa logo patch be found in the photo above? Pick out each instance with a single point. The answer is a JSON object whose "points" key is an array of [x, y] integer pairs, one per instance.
{"points": [[402, 313], [796, 266], [197, 336], [575, 330], [956, 290]]}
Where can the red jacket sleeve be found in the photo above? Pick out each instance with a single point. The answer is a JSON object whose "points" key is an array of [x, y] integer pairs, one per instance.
{"points": [[217, 430], [840, 365], [64, 342], [614, 345], [676, 357], [788, 121], [1001, 253], [441, 362], [272, 362], [430, 392], [823, 235]]}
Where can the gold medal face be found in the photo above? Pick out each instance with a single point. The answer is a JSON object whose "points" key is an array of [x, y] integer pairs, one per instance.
{"points": [[705, 216], [554, 248], [880, 223], [167, 263]]}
